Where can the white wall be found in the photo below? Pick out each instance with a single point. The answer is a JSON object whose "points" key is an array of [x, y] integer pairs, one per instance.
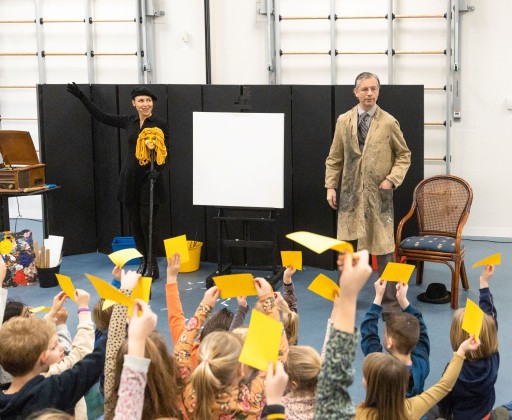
{"points": [[480, 150]]}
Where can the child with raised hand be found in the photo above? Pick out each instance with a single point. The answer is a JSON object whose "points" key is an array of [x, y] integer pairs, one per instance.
{"points": [[473, 395], [26, 350], [116, 337], [217, 387], [289, 318], [240, 314], [143, 362], [219, 321], [289, 289], [82, 345], [405, 335], [336, 375]]}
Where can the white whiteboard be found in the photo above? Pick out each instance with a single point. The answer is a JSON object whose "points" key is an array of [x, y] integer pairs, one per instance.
{"points": [[238, 159]]}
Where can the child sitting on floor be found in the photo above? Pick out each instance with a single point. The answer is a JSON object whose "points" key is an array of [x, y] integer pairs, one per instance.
{"points": [[26, 351], [405, 336]]}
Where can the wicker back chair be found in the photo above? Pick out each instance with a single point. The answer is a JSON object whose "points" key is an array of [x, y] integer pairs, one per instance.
{"points": [[442, 204]]}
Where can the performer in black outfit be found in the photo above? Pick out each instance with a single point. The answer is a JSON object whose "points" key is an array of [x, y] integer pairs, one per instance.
{"points": [[134, 179]]}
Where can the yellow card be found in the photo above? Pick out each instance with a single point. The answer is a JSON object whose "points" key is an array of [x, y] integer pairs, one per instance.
{"points": [[141, 291], [324, 286], [398, 272], [262, 342], [107, 304], [293, 258], [473, 318], [39, 309], [233, 285], [493, 259], [177, 244], [319, 243], [66, 284], [107, 291], [122, 256]]}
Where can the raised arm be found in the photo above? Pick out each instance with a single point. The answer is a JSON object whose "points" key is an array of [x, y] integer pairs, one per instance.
{"points": [[288, 289], [337, 373], [175, 315], [109, 119], [130, 403], [116, 337], [83, 343], [185, 343], [486, 301], [370, 340]]}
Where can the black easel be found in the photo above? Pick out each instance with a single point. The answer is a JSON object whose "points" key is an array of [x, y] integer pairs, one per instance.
{"points": [[249, 218]]}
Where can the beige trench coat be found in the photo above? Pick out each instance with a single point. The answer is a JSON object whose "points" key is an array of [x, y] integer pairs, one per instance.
{"points": [[365, 212]]}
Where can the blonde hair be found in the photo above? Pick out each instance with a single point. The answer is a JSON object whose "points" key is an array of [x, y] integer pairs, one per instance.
{"points": [[303, 366], [218, 369], [488, 336], [290, 323], [23, 340], [163, 386], [386, 384], [143, 153], [101, 317]]}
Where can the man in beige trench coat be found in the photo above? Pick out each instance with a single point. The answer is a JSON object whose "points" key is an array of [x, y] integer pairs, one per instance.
{"points": [[370, 155]]}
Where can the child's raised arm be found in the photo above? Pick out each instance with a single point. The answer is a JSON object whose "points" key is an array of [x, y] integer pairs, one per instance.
{"points": [[175, 315]]}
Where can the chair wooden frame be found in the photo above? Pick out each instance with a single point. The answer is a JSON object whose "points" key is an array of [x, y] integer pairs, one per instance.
{"points": [[440, 185]]}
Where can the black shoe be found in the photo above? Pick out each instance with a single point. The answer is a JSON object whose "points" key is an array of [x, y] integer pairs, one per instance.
{"points": [[152, 270], [142, 266]]}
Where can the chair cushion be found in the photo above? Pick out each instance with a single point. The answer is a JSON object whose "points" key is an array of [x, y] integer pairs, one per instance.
{"points": [[429, 243]]}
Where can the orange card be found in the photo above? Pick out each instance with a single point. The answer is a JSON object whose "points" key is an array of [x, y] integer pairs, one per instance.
{"points": [[66, 284], [233, 285], [292, 258], [319, 243], [473, 318], [177, 244], [262, 342], [493, 259], [324, 286], [398, 272]]}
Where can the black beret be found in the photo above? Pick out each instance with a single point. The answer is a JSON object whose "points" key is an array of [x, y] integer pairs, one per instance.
{"points": [[143, 91]]}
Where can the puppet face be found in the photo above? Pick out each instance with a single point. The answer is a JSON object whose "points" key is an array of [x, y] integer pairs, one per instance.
{"points": [[151, 141]]}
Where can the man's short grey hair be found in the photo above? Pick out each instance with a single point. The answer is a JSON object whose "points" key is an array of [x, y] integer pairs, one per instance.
{"points": [[366, 75]]}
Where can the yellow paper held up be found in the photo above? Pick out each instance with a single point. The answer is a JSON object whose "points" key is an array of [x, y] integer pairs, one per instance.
{"points": [[233, 285], [319, 243], [40, 309], [324, 286], [107, 303], [122, 256], [493, 259], [262, 342], [292, 258], [66, 285], [177, 244], [141, 291], [473, 318], [107, 291], [398, 272]]}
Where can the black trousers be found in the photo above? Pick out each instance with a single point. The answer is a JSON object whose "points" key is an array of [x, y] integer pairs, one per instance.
{"points": [[138, 216]]}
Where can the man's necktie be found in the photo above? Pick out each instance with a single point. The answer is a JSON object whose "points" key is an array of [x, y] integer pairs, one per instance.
{"points": [[362, 130]]}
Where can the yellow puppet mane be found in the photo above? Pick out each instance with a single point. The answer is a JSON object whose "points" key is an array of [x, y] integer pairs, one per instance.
{"points": [[143, 153]]}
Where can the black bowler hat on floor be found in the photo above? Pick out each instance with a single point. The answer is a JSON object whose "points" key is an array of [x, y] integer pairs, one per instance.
{"points": [[435, 293], [143, 91]]}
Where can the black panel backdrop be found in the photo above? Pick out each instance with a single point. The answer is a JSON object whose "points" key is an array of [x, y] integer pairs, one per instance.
{"points": [[107, 163], [84, 158], [65, 134]]}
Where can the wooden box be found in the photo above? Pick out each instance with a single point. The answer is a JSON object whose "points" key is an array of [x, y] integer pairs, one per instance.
{"points": [[20, 168]]}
